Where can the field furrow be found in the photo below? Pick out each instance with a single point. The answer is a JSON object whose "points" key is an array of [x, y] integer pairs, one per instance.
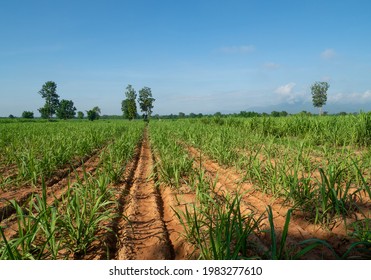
{"points": [[228, 181], [143, 233], [55, 184], [54, 191], [209, 189]]}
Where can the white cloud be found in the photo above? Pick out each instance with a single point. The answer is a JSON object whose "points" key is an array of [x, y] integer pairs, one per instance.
{"points": [[285, 89], [271, 66], [238, 49], [366, 95], [287, 94], [353, 98], [328, 54]]}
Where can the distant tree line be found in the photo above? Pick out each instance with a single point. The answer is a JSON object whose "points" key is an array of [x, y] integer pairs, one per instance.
{"points": [[243, 114], [63, 109]]}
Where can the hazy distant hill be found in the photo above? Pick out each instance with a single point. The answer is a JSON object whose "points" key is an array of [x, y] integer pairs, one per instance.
{"points": [[296, 108]]}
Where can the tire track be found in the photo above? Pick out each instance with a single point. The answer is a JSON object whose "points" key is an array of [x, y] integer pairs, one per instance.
{"points": [[111, 240], [143, 234]]}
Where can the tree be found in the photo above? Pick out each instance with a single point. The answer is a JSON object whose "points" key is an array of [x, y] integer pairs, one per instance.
{"points": [[49, 93], [283, 114], [181, 115], [319, 94], [146, 102], [66, 110], [249, 114], [27, 115], [128, 106], [125, 108], [44, 111], [80, 115], [93, 114], [11, 116], [305, 113], [97, 110], [275, 114]]}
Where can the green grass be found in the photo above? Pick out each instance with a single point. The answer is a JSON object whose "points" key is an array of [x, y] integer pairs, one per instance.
{"points": [[318, 166], [66, 228], [86, 207]]}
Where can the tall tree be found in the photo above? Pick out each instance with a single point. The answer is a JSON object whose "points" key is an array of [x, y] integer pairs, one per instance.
{"points": [[125, 108], [128, 105], [66, 110], [146, 102], [93, 114], [49, 93], [319, 94]]}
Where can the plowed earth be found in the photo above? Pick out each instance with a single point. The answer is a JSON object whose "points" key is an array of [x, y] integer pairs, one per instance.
{"points": [[57, 182], [151, 230], [57, 185], [146, 227], [230, 181], [143, 234]]}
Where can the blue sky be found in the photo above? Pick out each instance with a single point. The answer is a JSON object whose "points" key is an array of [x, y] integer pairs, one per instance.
{"points": [[197, 56]]}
